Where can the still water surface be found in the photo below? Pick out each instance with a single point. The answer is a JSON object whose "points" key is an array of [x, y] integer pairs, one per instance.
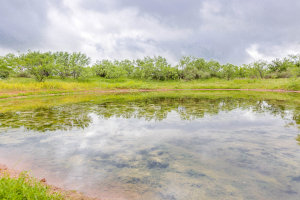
{"points": [[173, 146]]}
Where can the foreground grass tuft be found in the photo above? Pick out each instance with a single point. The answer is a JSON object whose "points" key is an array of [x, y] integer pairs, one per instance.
{"points": [[25, 187]]}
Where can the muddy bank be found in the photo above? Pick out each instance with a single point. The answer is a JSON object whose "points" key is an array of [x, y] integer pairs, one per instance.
{"points": [[4, 170]]}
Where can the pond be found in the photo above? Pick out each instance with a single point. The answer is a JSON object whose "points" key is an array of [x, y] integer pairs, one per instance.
{"points": [[154, 145]]}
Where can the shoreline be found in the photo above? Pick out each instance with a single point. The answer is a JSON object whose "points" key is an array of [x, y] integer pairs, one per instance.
{"points": [[69, 194], [139, 90]]}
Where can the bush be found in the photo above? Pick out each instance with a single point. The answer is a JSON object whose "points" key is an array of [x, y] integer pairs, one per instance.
{"points": [[191, 73], [205, 75], [4, 73], [284, 74], [23, 75], [295, 71]]}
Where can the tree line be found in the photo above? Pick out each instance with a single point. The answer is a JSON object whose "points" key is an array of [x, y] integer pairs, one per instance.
{"points": [[77, 65]]}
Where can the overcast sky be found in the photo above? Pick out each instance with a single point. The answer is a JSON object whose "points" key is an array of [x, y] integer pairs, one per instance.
{"points": [[234, 31]]}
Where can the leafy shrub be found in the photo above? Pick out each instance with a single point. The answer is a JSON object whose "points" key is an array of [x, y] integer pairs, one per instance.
{"points": [[4, 69], [191, 73], [228, 71], [23, 75], [295, 71], [285, 74], [205, 75], [4, 73]]}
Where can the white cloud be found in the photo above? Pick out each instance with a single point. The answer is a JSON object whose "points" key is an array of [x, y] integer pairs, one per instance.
{"points": [[108, 35], [4, 51], [271, 52], [229, 31]]}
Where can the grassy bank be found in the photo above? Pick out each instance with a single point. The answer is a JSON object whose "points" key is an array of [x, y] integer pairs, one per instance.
{"points": [[46, 101], [28, 86], [18, 185], [25, 187]]}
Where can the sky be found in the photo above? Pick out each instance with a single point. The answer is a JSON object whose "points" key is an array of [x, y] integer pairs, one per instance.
{"points": [[230, 31]]}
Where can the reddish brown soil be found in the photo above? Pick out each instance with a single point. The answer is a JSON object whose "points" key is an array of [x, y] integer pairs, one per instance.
{"points": [[68, 194]]}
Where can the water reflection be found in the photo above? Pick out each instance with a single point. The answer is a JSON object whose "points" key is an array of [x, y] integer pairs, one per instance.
{"points": [[77, 115], [298, 139], [177, 146]]}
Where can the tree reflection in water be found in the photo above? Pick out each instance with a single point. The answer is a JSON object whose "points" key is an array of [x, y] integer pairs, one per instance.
{"points": [[66, 116]]}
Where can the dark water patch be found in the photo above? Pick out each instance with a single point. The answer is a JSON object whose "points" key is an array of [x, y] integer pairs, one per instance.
{"points": [[289, 155], [243, 150], [157, 164], [195, 174], [119, 163], [167, 196], [132, 180], [297, 179], [196, 185], [105, 155], [258, 169], [290, 192], [147, 151]]}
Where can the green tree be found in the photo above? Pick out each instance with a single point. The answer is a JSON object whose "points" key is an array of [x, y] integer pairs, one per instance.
{"points": [[4, 69], [40, 65], [241, 71], [294, 67], [62, 64], [100, 68], [229, 71], [184, 62], [77, 62], [214, 67], [16, 63], [145, 68], [128, 66], [261, 67], [115, 71]]}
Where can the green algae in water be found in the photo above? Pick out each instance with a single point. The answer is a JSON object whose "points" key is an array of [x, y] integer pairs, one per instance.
{"points": [[189, 145]]}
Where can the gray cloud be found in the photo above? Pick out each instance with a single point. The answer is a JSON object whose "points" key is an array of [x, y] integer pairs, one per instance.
{"points": [[230, 31], [21, 23]]}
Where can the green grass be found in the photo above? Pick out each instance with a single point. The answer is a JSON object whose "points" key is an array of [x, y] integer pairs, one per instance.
{"points": [[25, 187], [28, 86], [46, 101]]}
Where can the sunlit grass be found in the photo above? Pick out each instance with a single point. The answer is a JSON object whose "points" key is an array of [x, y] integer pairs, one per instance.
{"points": [[46, 101], [28, 86], [25, 187]]}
